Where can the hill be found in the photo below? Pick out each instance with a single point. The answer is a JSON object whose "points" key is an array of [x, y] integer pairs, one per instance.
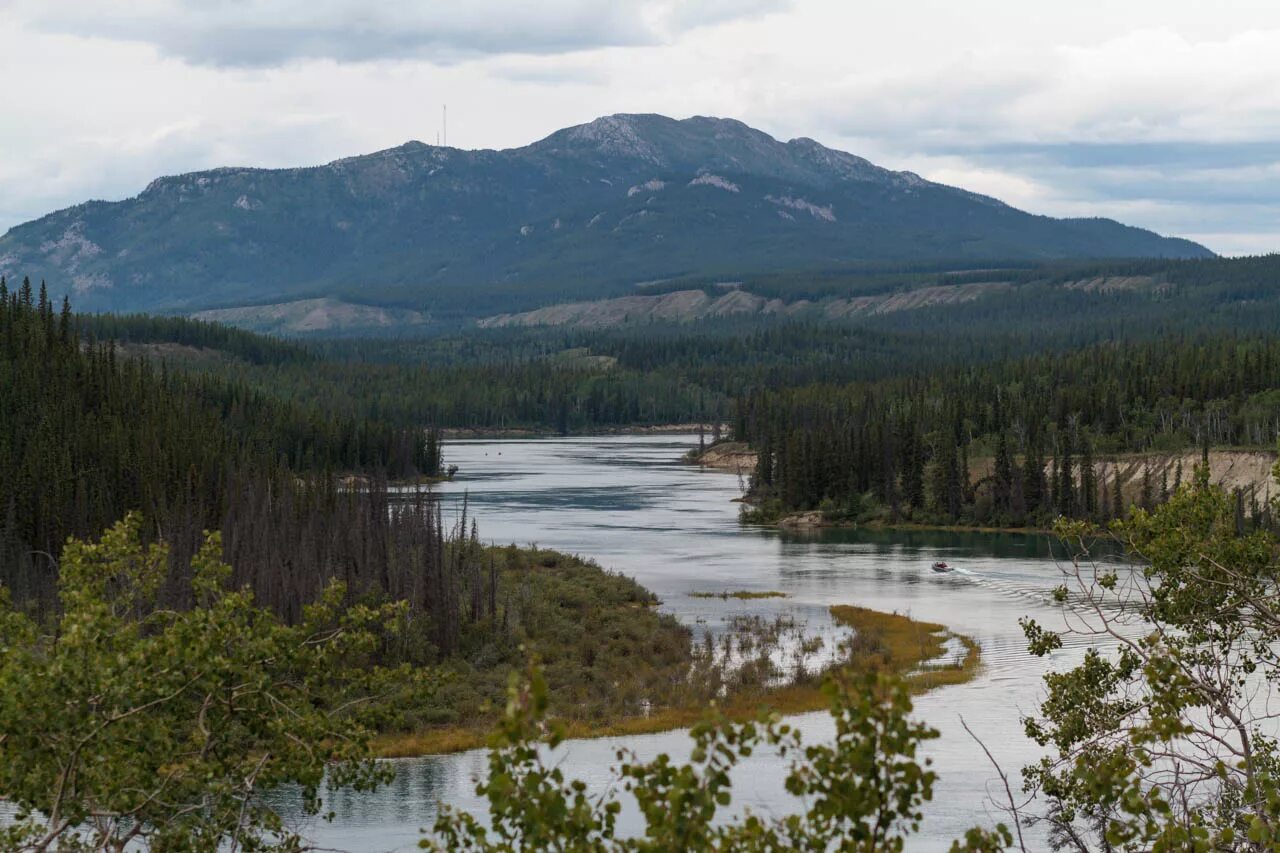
{"points": [[1123, 298], [588, 212]]}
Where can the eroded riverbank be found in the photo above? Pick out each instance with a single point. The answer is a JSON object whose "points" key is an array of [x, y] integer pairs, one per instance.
{"points": [[1139, 477]]}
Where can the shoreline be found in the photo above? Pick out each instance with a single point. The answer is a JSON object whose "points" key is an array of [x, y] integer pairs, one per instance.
{"points": [[547, 432], [730, 457], [904, 646], [792, 524]]}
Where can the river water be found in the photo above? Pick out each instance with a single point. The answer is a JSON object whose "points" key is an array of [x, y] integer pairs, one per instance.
{"points": [[628, 502]]}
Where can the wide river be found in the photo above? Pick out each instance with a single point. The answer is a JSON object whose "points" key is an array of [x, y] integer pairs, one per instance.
{"points": [[628, 502]]}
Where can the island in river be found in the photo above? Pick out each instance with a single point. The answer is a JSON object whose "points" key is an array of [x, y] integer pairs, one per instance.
{"points": [[618, 666]]}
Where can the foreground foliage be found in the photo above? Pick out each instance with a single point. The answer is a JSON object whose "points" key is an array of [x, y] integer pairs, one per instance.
{"points": [[1163, 738], [863, 791], [129, 723]]}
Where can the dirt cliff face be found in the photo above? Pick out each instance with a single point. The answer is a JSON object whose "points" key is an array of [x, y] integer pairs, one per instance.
{"points": [[732, 456], [312, 315], [1231, 469], [684, 306], [1250, 470]]}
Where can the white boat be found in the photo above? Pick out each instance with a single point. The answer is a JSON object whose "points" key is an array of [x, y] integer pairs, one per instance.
{"points": [[941, 566]]}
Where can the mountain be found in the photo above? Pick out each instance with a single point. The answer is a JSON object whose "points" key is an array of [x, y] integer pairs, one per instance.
{"points": [[588, 212]]}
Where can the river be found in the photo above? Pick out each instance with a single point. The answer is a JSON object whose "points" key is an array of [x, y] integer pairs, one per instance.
{"points": [[628, 502]]}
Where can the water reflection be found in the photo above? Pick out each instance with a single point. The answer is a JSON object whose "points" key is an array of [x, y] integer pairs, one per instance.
{"points": [[628, 503]]}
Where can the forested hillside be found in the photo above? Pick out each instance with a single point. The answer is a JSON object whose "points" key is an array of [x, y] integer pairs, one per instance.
{"points": [[551, 380], [1056, 303], [87, 434], [572, 379]]}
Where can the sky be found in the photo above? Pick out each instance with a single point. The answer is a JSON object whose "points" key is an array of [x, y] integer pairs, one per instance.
{"points": [[1160, 113]]}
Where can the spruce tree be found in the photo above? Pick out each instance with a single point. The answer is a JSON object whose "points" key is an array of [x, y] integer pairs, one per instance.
{"points": [[1055, 485], [1002, 488], [913, 468], [1066, 490], [944, 481], [1088, 481], [1104, 499], [1033, 476]]}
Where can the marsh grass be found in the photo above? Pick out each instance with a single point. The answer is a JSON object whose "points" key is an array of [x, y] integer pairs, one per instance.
{"points": [[741, 594], [904, 646], [738, 673]]}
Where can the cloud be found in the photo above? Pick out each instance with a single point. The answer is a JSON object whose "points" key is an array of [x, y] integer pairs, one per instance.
{"points": [[1156, 127], [1166, 155], [679, 15], [267, 33], [1150, 86], [547, 71]]}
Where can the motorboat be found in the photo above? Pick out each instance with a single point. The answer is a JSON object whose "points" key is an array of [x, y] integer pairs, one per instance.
{"points": [[941, 566]]}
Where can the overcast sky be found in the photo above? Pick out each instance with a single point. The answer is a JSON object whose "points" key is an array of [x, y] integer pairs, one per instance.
{"points": [[1160, 113]]}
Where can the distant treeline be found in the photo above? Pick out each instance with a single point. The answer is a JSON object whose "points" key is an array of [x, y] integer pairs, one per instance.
{"points": [[578, 380], [148, 328], [905, 444], [575, 379]]}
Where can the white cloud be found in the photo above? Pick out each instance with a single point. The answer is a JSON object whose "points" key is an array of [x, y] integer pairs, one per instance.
{"points": [[1017, 190], [267, 33]]}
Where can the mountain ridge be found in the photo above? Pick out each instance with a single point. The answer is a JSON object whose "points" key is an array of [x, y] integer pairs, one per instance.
{"points": [[585, 212]]}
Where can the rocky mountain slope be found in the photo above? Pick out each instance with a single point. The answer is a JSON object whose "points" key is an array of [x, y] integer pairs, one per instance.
{"points": [[304, 316], [587, 212], [730, 300], [683, 306]]}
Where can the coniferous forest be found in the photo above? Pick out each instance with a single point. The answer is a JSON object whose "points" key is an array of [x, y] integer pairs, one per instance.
{"points": [[1052, 429], [90, 434]]}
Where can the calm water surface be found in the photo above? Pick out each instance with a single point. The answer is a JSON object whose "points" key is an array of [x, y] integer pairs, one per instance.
{"points": [[627, 502]]}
